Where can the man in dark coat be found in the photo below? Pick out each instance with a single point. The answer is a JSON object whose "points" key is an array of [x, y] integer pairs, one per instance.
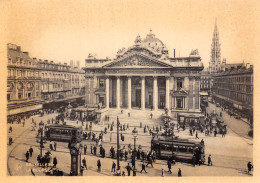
{"points": [[113, 167], [169, 166], [99, 165], [27, 156], [249, 167], [55, 162], [179, 173], [85, 149], [31, 151], [143, 168], [84, 163], [150, 161], [128, 168]]}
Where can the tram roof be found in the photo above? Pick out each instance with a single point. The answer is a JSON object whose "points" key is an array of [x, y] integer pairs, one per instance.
{"points": [[175, 139], [63, 126]]}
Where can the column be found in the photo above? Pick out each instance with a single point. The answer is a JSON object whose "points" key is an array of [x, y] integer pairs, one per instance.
{"points": [[118, 92], [107, 92], [143, 93], [167, 94], [155, 93], [129, 89]]}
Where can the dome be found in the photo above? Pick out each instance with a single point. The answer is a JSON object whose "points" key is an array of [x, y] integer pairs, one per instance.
{"points": [[153, 43], [151, 40]]}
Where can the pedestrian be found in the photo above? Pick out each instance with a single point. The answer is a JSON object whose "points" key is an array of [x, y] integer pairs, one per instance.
{"points": [[51, 147], [196, 135], [179, 173], [128, 168], [128, 114], [151, 115], [10, 129], [150, 161], [123, 173], [95, 150], [27, 156], [209, 161], [143, 168], [10, 140], [55, 162], [85, 149], [169, 166], [99, 165], [81, 170], [31, 151], [249, 167], [134, 172], [126, 153], [91, 149], [113, 167], [151, 107], [194, 160], [162, 172], [84, 163], [133, 162], [55, 146]]}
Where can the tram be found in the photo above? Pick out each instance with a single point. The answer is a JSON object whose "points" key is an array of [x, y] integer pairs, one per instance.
{"points": [[63, 133], [179, 149]]}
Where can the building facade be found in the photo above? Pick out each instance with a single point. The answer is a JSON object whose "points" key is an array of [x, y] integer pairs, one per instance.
{"points": [[61, 83], [23, 82], [145, 76], [234, 89], [205, 83], [34, 84]]}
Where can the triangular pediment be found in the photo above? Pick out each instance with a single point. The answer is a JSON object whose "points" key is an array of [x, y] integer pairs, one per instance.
{"points": [[137, 60], [180, 92]]}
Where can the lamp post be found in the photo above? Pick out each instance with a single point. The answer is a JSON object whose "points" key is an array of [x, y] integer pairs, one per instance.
{"points": [[118, 151], [41, 125], [134, 133]]}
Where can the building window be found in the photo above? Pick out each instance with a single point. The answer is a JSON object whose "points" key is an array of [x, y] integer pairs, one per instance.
{"points": [[179, 101], [29, 95], [8, 97], [179, 83], [19, 95], [101, 83]]}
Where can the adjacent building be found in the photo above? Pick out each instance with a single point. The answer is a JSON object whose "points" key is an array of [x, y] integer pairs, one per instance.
{"points": [[23, 82], [34, 84], [234, 89], [205, 81], [61, 83], [145, 76]]}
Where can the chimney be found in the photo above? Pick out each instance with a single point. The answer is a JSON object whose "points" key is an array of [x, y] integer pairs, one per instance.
{"points": [[46, 61], [173, 53], [72, 63], [65, 63], [78, 64], [51, 62], [26, 53]]}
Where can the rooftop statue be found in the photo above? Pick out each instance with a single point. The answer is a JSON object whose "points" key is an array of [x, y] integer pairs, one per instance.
{"points": [[138, 39]]}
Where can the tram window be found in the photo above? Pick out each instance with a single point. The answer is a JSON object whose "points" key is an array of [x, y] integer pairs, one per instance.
{"points": [[190, 149], [182, 149], [175, 148]]}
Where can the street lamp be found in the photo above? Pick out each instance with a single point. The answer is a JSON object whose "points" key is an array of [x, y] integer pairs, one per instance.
{"points": [[41, 125], [117, 129], [134, 133]]}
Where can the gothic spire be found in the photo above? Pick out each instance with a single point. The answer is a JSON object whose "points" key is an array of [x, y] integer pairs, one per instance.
{"points": [[215, 61]]}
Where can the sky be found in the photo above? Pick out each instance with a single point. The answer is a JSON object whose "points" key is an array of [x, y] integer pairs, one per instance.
{"points": [[61, 30]]}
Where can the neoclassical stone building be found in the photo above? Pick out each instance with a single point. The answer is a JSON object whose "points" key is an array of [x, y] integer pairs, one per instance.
{"points": [[145, 76]]}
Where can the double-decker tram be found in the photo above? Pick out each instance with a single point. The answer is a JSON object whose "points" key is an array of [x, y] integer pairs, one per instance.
{"points": [[166, 147], [63, 133]]}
